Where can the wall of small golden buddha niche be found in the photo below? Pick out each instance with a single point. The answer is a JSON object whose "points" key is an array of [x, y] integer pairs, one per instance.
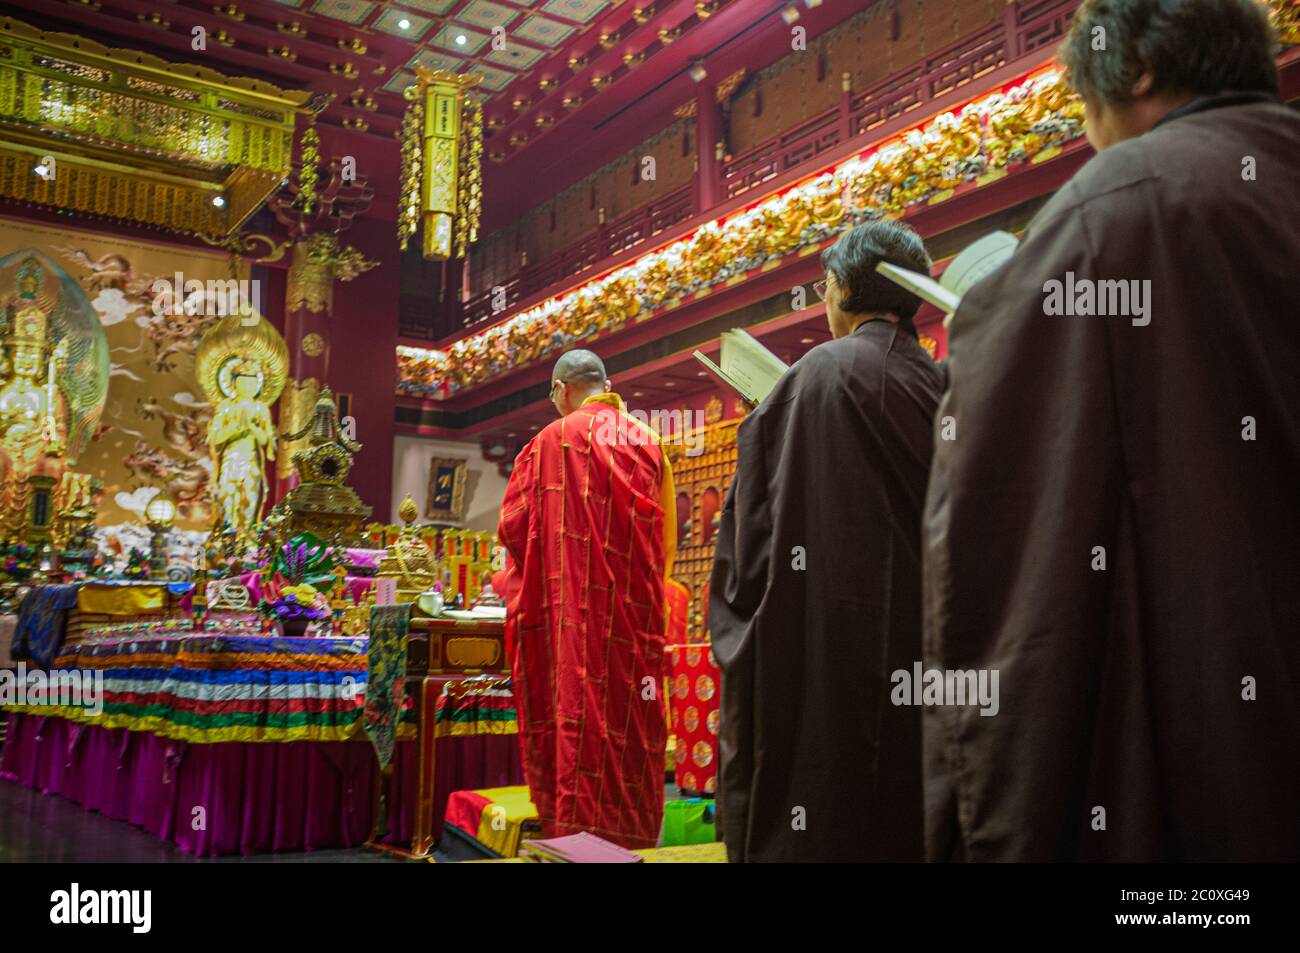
{"points": [[573, 213], [701, 482], [805, 83]]}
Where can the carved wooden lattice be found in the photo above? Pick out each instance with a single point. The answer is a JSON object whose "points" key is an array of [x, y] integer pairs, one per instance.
{"points": [[701, 484]]}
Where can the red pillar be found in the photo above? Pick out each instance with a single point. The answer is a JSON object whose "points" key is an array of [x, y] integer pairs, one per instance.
{"points": [[708, 137]]}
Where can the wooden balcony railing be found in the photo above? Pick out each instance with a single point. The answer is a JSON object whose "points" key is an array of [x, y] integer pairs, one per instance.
{"points": [[609, 239], [1024, 28]]}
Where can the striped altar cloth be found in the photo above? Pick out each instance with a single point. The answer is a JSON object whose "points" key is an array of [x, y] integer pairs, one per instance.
{"points": [[210, 688]]}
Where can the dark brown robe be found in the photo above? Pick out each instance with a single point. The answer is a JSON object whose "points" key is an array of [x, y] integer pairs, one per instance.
{"points": [[1121, 688], [834, 461]]}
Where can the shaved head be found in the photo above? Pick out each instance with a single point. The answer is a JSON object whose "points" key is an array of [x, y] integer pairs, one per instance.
{"points": [[580, 367], [578, 375]]}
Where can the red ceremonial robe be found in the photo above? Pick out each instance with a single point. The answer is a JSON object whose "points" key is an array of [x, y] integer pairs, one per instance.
{"points": [[590, 525]]}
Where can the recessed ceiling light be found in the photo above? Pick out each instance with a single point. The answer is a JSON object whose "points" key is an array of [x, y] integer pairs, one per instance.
{"points": [[42, 170], [807, 340], [790, 14], [670, 383], [698, 72], [510, 435], [403, 24], [701, 373], [637, 393], [219, 201], [461, 39]]}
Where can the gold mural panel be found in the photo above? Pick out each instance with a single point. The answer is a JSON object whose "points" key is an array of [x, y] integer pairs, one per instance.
{"points": [[153, 431]]}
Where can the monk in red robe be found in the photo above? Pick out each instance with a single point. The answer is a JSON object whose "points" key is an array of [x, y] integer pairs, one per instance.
{"points": [[589, 521]]}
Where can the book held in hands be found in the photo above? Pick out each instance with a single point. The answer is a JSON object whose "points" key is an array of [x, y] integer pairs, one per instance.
{"points": [[747, 367]]}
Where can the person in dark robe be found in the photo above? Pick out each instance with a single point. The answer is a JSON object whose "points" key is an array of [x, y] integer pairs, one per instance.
{"points": [[815, 593], [1114, 527]]}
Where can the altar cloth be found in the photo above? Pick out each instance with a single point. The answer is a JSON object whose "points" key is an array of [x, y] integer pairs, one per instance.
{"points": [[254, 797], [236, 744], [205, 688], [52, 616]]}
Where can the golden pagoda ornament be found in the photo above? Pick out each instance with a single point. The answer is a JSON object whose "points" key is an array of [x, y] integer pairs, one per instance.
{"points": [[408, 559], [322, 503]]}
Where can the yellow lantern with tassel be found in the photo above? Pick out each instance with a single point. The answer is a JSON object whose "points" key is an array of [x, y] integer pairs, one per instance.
{"points": [[442, 149]]}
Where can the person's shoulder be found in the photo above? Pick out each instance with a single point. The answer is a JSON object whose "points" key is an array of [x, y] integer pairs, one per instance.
{"points": [[552, 433], [836, 354], [1168, 155], [1124, 166], [529, 448], [821, 367], [831, 365]]}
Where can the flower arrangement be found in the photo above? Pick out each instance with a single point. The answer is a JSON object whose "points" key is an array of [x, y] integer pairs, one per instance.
{"points": [[19, 561], [303, 559], [290, 575], [137, 565], [300, 602]]}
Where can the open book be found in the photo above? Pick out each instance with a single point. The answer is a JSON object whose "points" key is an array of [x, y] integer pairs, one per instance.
{"points": [[748, 368], [975, 262]]}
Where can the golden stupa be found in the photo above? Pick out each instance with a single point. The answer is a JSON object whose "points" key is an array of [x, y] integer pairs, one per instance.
{"points": [[408, 559], [322, 503]]}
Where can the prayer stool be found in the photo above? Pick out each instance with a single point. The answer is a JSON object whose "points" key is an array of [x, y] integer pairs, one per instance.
{"points": [[490, 823]]}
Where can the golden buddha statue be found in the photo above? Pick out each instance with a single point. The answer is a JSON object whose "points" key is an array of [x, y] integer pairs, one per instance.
{"points": [[53, 384], [240, 365], [408, 559], [322, 503], [31, 406]]}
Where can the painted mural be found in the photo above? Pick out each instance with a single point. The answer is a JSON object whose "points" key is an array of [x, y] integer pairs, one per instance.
{"points": [[153, 431]]}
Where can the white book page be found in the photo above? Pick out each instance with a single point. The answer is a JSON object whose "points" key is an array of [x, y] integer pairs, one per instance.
{"points": [[977, 261]]}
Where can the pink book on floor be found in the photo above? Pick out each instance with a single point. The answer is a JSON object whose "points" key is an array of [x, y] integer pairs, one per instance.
{"points": [[581, 848]]}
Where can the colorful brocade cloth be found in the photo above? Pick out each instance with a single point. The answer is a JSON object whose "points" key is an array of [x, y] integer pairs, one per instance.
{"points": [[479, 705], [205, 688], [43, 617], [42, 621], [386, 676], [495, 817]]}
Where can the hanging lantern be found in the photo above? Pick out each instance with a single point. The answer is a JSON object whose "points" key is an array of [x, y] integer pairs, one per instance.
{"points": [[442, 150]]}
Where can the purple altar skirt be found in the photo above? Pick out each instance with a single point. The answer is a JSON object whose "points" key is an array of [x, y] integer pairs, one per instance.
{"points": [[242, 797]]}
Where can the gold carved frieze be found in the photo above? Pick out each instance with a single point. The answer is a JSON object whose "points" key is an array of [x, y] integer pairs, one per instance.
{"points": [[997, 131], [128, 136], [311, 281], [318, 261]]}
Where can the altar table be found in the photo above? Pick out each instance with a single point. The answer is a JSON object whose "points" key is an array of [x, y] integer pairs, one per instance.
{"points": [[237, 744]]}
